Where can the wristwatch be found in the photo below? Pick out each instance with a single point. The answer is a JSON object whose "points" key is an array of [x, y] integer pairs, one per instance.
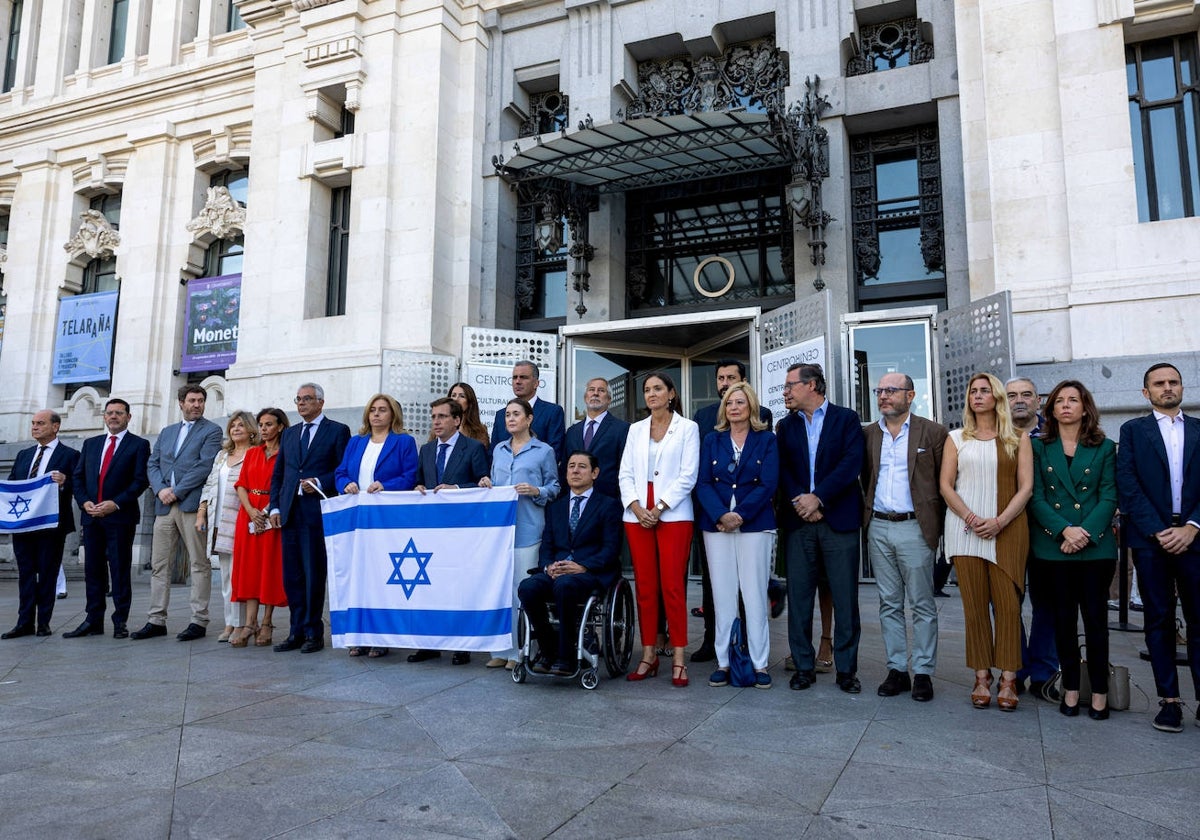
{"points": [[660, 507]]}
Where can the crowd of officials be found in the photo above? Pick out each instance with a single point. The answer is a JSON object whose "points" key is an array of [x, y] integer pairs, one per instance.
{"points": [[1013, 497]]}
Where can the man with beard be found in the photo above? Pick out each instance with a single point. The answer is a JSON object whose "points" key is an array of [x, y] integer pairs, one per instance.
{"points": [[601, 434]]}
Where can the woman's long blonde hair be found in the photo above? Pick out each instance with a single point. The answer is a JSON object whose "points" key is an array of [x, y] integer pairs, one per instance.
{"points": [[1006, 432], [756, 422]]}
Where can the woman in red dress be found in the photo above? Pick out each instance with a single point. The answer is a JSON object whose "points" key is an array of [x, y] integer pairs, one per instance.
{"points": [[258, 558]]}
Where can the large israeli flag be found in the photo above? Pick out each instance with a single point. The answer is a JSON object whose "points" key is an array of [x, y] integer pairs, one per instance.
{"points": [[30, 505], [422, 571]]}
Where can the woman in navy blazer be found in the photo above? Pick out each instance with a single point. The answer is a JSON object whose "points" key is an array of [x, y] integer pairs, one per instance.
{"points": [[739, 471], [380, 457]]}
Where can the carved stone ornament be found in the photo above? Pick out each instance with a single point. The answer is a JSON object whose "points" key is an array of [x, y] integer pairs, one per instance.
{"points": [[305, 5], [222, 216], [95, 236]]}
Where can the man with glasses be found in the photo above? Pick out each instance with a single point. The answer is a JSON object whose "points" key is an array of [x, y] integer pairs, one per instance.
{"points": [[820, 457], [309, 452], [904, 517]]}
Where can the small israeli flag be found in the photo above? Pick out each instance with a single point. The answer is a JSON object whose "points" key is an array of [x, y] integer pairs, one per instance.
{"points": [[30, 505], [422, 571]]}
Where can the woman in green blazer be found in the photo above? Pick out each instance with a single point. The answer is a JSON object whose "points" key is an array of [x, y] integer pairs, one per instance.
{"points": [[1074, 500]]}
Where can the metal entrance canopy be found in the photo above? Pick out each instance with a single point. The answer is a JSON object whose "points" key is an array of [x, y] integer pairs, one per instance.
{"points": [[650, 151]]}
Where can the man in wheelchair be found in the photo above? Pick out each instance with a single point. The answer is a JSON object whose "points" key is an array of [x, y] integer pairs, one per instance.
{"points": [[579, 555]]}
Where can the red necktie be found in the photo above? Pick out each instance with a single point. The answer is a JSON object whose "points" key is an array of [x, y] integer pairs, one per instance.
{"points": [[104, 462]]}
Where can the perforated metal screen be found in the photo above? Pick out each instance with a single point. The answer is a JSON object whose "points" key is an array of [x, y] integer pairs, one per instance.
{"points": [[797, 321], [973, 338], [415, 380]]}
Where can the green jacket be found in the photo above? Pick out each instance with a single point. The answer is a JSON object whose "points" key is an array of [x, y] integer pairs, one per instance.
{"points": [[1083, 494]]}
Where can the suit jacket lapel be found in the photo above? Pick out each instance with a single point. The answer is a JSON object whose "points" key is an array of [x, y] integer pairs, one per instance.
{"points": [[585, 518], [1191, 439], [1084, 456], [1057, 460], [456, 455], [1156, 441]]}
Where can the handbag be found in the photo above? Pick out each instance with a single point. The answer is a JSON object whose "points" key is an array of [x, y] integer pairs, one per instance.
{"points": [[1118, 683], [741, 669]]}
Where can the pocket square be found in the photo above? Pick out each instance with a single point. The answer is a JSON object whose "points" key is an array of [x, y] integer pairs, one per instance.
{"points": [[920, 450]]}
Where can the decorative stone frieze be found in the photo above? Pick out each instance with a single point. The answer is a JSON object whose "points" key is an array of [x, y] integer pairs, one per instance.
{"points": [[346, 46], [95, 237], [221, 217]]}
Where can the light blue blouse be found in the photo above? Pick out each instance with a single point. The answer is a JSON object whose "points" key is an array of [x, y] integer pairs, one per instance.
{"points": [[535, 465]]}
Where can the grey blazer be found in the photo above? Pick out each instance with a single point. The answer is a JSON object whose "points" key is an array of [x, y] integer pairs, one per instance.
{"points": [[191, 466]]}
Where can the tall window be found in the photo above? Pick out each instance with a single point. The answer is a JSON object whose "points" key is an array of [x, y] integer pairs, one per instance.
{"points": [[233, 19], [1164, 114], [339, 252], [117, 29], [3, 297], [14, 44], [541, 272], [100, 275], [224, 256], [896, 193]]}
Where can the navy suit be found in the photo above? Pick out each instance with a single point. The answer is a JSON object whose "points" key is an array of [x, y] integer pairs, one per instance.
{"points": [[1144, 491], [549, 427], [396, 468], [594, 545], [468, 462], [39, 553], [830, 545], [608, 445], [752, 481], [305, 565], [108, 540]]}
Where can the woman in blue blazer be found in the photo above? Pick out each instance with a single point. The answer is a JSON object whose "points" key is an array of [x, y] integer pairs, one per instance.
{"points": [[380, 457], [739, 471]]}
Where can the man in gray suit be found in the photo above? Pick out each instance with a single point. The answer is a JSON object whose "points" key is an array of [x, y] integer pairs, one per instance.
{"points": [[178, 468]]}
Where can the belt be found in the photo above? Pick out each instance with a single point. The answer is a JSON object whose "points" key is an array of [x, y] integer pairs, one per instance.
{"points": [[1176, 520], [893, 517], [258, 492]]}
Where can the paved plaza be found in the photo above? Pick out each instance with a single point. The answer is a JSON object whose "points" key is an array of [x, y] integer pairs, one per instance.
{"points": [[157, 738]]}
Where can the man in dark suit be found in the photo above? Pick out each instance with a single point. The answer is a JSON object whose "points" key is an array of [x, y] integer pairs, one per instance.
{"points": [[309, 453], [1158, 485], [578, 555], [109, 479], [904, 517], [39, 553], [820, 456], [600, 433], [548, 422], [729, 372], [450, 460], [179, 465]]}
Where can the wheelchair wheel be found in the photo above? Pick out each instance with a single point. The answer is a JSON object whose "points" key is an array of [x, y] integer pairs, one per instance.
{"points": [[619, 629], [589, 679], [518, 673]]}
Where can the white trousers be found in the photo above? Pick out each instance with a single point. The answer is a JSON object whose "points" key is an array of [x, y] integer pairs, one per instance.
{"points": [[740, 562], [524, 559]]}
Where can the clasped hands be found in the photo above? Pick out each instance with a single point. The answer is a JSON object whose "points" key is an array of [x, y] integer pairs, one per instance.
{"points": [[1074, 539], [646, 518], [808, 507], [1176, 540], [564, 567], [729, 522], [985, 528]]}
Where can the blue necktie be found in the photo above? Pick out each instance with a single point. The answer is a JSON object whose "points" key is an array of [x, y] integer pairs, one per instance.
{"points": [[576, 504], [441, 460], [587, 435], [305, 438]]}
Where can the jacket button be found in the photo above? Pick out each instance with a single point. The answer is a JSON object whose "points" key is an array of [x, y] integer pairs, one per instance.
{"points": [[1083, 488], [1087, 472], [1051, 486], [1049, 469], [714, 462], [1077, 506], [656, 472], [733, 487], [1057, 506]]}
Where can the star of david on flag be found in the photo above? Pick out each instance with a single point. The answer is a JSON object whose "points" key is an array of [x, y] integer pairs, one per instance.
{"points": [[422, 576], [30, 505]]}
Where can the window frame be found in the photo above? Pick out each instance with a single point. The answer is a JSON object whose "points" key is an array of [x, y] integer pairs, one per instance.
{"points": [[338, 260]]}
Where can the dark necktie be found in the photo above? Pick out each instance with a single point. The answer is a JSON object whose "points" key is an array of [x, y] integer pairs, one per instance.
{"points": [[305, 438], [588, 433], [441, 460], [37, 462], [576, 505], [104, 462]]}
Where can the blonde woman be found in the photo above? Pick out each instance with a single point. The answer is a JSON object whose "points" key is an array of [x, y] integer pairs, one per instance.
{"points": [[218, 509], [987, 479]]}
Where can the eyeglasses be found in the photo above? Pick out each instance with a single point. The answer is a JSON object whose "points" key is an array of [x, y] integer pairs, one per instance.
{"points": [[879, 392], [789, 384], [305, 399]]}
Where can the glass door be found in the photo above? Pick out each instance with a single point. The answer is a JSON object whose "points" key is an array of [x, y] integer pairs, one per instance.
{"points": [[892, 341]]}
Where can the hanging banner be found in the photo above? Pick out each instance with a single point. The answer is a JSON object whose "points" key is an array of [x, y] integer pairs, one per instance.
{"points": [[83, 343], [774, 371], [493, 387], [210, 330]]}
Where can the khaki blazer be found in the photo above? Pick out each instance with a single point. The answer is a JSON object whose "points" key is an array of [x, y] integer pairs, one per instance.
{"points": [[926, 441]]}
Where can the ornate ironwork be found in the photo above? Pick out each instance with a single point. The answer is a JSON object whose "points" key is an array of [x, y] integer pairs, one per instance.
{"points": [[548, 112], [801, 125], [750, 76], [886, 46], [551, 200]]}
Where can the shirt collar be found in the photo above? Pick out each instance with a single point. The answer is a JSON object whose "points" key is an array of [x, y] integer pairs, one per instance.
{"points": [[903, 427], [585, 495], [597, 419], [453, 439], [1159, 416]]}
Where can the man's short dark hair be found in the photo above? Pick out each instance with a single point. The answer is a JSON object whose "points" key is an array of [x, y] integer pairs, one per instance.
{"points": [[192, 389], [456, 410], [810, 373], [117, 401], [537, 373], [591, 456], [732, 363], [1159, 366]]}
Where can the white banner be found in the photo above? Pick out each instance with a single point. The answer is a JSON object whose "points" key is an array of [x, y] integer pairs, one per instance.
{"points": [[422, 571], [774, 371], [30, 505], [493, 387]]}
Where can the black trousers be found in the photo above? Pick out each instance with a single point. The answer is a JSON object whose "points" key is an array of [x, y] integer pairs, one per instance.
{"points": [[1080, 588], [1160, 576], [108, 556], [305, 567], [569, 593], [39, 556]]}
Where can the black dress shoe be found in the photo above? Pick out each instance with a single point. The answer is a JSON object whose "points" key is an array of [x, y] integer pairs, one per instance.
{"points": [[1068, 711], [922, 690], [461, 657], [704, 653], [44, 630], [424, 655], [562, 669], [896, 682], [1098, 714], [849, 683], [290, 643], [85, 629], [61, 595], [148, 631], [120, 631], [312, 646], [802, 680], [540, 664], [18, 631], [191, 633]]}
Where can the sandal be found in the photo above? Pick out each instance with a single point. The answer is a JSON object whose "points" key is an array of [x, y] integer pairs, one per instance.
{"points": [[263, 637], [242, 635], [981, 695], [357, 651], [1006, 695], [825, 666], [377, 652]]}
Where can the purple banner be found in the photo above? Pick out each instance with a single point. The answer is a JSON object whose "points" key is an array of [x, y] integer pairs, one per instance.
{"points": [[210, 332]]}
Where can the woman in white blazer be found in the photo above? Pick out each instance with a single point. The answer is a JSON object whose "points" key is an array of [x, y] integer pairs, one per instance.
{"points": [[658, 472]]}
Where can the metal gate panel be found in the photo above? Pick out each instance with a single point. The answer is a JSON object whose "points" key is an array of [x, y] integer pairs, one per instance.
{"points": [[796, 322], [416, 380], [506, 347], [973, 338]]}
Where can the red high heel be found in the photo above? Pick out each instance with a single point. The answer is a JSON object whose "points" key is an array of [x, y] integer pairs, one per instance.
{"points": [[682, 680], [639, 674]]}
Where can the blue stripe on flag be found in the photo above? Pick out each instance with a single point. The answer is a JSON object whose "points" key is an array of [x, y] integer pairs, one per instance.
{"points": [[421, 622], [29, 524], [26, 485], [363, 517]]}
